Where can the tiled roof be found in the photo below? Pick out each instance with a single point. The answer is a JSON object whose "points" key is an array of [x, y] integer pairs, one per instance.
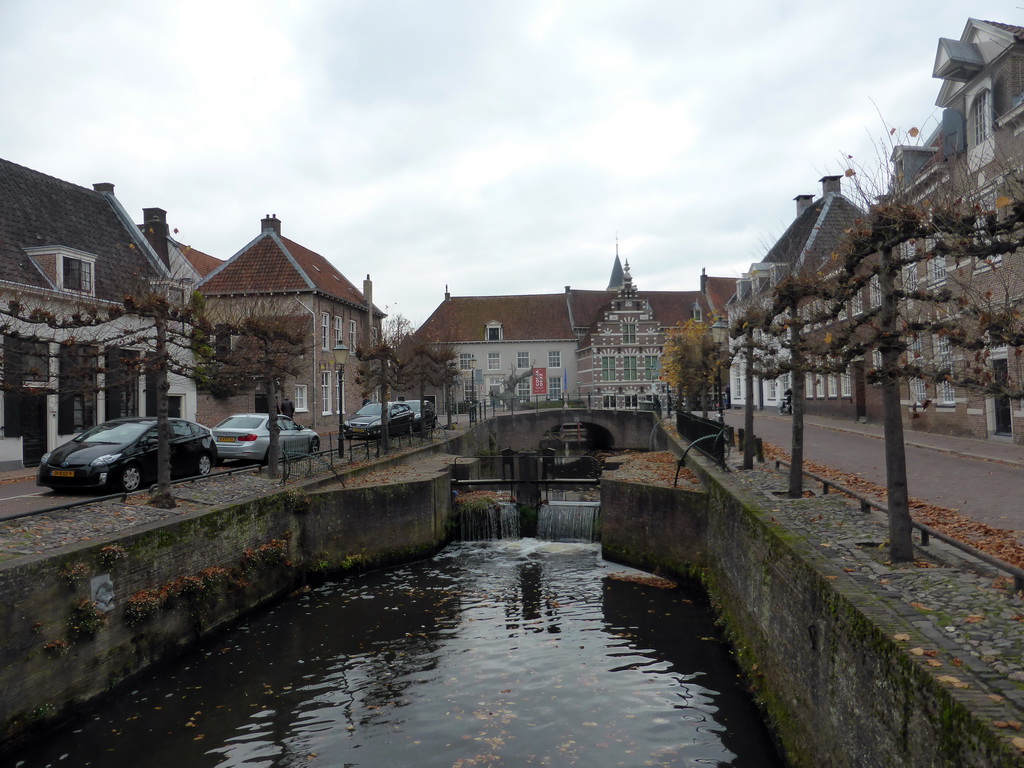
{"points": [[719, 290], [39, 210], [203, 263], [814, 234], [273, 263], [523, 318]]}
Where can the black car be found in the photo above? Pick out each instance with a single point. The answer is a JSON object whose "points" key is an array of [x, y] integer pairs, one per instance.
{"points": [[121, 455], [366, 421], [424, 414]]}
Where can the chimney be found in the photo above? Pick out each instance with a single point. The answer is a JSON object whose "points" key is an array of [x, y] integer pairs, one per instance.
{"points": [[447, 296], [368, 297], [271, 224], [105, 187], [703, 281], [154, 229], [803, 202], [830, 184]]}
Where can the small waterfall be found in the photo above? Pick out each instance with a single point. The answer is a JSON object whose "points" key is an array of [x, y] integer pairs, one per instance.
{"points": [[568, 521], [500, 521]]}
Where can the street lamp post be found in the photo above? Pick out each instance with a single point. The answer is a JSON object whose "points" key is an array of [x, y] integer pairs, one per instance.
{"points": [[720, 335], [340, 358]]}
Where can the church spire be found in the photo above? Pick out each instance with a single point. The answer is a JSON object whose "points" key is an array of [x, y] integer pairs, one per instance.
{"points": [[615, 283]]}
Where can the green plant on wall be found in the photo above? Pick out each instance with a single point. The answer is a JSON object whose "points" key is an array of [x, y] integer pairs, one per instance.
{"points": [[111, 555], [74, 574], [84, 620]]}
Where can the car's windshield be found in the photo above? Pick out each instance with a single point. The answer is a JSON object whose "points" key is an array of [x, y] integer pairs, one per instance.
{"points": [[241, 422], [116, 432], [370, 409]]}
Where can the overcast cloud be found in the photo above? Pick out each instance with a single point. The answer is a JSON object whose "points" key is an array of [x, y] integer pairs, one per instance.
{"points": [[493, 147]]}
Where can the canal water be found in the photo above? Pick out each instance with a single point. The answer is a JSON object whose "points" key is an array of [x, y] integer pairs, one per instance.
{"points": [[502, 653]]}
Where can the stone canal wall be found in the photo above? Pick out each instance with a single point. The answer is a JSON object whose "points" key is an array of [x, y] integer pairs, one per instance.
{"points": [[173, 582], [826, 653]]}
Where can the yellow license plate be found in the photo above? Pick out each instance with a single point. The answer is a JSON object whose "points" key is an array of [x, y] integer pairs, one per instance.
{"points": [[63, 473], [225, 439]]}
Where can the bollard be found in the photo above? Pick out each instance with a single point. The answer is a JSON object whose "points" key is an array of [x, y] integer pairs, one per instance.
{"points": [[759, 443], [739, 437]]}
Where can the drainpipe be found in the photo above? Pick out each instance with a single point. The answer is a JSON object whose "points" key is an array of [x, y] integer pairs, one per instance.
{"points": [[311, 396]]}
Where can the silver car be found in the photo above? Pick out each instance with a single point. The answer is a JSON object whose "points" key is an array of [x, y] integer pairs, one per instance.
{"points": [[247, 436]]}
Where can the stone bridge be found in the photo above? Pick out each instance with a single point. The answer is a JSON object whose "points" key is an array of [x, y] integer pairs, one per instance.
{"points": [[600, 429]]}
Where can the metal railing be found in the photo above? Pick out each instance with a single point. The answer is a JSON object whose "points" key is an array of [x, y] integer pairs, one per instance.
{"points": [[122, 495], [867, 504], [707, 436]]}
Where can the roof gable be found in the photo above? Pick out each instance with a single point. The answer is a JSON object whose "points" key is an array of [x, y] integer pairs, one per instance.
{"points": [[39, 211], [273, 263]]}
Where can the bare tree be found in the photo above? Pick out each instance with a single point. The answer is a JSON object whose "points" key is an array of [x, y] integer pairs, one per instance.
{"points": [[383, 367], [255, 343]]}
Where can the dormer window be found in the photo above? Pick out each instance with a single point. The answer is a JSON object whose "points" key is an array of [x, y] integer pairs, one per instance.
{"points": [[494, 331], [77, 275], [70, 270], [696, 313]]}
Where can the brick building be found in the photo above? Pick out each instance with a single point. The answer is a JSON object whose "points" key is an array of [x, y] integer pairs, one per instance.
{"points": [[299, 284], [603, 347]]}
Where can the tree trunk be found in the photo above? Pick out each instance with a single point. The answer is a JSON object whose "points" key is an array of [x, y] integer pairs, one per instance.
{"points": [[901, 540], [162, 498], [274, 449], [798, 384], [749, 441]]}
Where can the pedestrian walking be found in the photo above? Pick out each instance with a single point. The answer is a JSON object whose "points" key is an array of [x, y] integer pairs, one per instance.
{"points": [[287, 407]]}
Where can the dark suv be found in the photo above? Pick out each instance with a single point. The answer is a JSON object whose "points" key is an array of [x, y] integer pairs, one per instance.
{"points": [[424, 414]]}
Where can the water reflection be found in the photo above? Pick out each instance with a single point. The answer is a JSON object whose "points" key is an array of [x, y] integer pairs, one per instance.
{"points": [[503, 653]]}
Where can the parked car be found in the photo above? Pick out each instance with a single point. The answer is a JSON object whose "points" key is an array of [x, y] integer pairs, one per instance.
{"points": [[121, 454], [366, 421], [423, 414], [247, 436]]}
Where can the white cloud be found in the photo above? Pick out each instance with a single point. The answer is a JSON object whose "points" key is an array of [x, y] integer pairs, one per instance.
{"points": [[496, 148]]}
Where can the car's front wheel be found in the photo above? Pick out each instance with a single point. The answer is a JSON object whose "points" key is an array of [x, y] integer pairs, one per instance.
{"points": [[314, 445], [204, 465], [131, 478]]}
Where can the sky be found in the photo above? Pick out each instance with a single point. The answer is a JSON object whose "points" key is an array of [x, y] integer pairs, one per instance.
{"points": [[489, 147]]}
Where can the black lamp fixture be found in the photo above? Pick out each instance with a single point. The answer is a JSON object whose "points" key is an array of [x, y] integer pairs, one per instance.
{"points": [[340, 358]]}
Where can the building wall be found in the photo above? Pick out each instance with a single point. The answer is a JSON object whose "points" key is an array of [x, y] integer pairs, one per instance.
{"points": [[317, 414]]}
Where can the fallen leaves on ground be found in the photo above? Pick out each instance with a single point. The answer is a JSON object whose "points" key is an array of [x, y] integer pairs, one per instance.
{"points": [[998, 542], [652, 468]]}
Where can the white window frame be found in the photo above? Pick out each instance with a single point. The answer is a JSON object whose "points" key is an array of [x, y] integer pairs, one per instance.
{"points": [[629, 368], [845, 388], [554, 387], [833, 387], [875, 292], [339, 331], [466, 361], [522, 359], [607, 368], [88, 267], [301, 403], [918, 390], [628, 331], [353, 335], [494, 361], [326, 385], [325, 330], [554, 358]]}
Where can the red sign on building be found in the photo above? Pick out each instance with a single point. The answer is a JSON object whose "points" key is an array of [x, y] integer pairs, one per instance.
{"points": [[540, 381]]}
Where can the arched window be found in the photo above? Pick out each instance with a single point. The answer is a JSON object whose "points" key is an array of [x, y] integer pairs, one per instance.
{"points": [[981, 116]]}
